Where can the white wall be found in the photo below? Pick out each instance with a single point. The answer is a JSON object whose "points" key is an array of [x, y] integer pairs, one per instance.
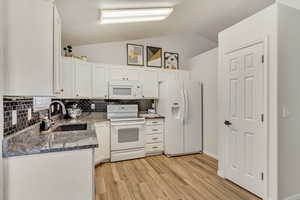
{"points": [[291, 3], [289, 99], [187, 45], [204, 68], [256, 27]]}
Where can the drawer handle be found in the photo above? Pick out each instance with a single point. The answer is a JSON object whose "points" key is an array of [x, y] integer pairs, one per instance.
{"points": [[155, 138], [154, 122], [155, 147], [154, 129]]}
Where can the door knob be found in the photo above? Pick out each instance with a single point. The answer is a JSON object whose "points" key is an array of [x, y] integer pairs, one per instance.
{"points": [[227, 123]]}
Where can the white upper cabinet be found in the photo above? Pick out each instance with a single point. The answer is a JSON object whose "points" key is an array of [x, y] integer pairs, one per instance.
{"points": [[29, 50], [57, 87], [133, 74], [86, 80], [117, 73], [100, 81], [68, 78], [149, 80], [124, 73], [83, 80]]}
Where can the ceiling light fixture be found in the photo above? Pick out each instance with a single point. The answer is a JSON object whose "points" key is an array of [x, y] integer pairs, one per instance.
{"points": [[134, 15]]}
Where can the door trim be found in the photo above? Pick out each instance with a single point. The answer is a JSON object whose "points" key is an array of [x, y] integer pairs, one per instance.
{"points": [[265, 42]]}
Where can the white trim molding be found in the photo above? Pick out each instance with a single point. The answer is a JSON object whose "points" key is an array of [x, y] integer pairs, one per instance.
{"points": [[221, 173], [294, 197], [291, 3], [211, 155]]}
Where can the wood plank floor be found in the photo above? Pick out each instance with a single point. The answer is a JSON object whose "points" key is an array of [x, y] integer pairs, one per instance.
{"points": [[191, 177]]}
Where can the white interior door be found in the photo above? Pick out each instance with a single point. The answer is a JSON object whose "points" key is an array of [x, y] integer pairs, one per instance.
{"points": [[246, 142]]}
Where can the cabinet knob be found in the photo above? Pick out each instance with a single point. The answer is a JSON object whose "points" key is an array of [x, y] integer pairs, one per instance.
{"points": [[62, 90]]}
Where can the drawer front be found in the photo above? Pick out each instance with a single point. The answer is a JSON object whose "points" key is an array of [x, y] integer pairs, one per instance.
{"points": [[154, 138], [155, 147], [154, 122], [154, 129]]}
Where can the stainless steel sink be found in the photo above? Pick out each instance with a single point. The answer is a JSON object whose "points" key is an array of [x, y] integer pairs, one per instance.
{"points": [[71, 127]]}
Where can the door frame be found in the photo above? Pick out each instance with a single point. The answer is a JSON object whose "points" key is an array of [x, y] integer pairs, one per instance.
{"points": [[265, 42]]}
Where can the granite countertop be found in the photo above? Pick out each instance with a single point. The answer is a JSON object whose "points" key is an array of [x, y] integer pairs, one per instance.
{"points": [[30, 141], [142, 114]]}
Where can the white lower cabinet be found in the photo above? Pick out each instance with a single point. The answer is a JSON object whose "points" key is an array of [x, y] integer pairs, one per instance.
{"points": [[102, 153], [154, 130], [57, 175]]}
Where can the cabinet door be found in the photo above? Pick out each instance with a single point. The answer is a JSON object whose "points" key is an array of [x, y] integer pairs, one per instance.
{"points": [[83, 79], [29, 47], [57, 87], [133, 74], [149, 81], [117, 73], [68, 77], [100, 82], [102, 153]]}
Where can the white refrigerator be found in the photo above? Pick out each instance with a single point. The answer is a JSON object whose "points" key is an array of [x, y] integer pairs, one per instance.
{"points": [[181, 104]]}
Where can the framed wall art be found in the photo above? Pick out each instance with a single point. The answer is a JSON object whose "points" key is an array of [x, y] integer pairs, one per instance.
{"points": [[171, 60], [135, 55], [154, 57]]}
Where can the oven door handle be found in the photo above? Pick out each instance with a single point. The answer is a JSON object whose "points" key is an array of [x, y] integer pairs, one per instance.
{"points": [[127, 124]]}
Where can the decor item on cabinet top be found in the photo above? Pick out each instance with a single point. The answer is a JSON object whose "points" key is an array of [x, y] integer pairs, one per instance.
{"points": [[135, 55], [68, 51], [154, 57], [171, 60]]}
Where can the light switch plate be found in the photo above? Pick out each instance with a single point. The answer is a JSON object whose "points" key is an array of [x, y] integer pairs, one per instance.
{"points": [[14, 117], [93, 107], [29, 114]]}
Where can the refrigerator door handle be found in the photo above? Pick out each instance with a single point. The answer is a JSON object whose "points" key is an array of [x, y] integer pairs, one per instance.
{"points": [[186, 107], [183, 107]]}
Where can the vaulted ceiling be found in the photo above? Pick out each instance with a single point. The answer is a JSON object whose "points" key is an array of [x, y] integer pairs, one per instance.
{"points": [[203, 17]]}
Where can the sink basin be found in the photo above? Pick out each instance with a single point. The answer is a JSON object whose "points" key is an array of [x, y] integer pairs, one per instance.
{"points": [[71, 127]]}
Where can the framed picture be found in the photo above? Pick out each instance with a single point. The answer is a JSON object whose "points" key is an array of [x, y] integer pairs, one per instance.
{"points": [[171, 60], [135, 55], [154, 57]]}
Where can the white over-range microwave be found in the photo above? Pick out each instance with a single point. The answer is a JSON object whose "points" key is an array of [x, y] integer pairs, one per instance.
{"points": [[125, 90]]}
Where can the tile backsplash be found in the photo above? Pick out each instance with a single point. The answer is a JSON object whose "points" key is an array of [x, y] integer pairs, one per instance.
{"points": [[100, 105], [21, 105]]}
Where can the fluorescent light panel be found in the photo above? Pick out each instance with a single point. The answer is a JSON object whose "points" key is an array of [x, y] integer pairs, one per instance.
{"points": [[134, 15]]}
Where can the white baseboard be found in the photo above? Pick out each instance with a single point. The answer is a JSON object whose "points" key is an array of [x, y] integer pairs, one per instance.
{"points": [[294, 197], [220, 173], [211, 155]]}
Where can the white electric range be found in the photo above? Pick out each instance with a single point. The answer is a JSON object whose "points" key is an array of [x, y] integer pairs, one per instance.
{"points": [[127, 132]]}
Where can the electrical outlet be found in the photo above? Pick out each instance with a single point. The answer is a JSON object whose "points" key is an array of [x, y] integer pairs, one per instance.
{"points": [[29, 114], [14, 117], [93, 106]]}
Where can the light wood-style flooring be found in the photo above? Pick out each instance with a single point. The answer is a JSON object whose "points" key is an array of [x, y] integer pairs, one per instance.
{"points": [[191, 177]]}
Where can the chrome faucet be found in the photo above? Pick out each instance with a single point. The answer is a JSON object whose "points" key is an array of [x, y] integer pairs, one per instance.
{"points": [[63, 108]]}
